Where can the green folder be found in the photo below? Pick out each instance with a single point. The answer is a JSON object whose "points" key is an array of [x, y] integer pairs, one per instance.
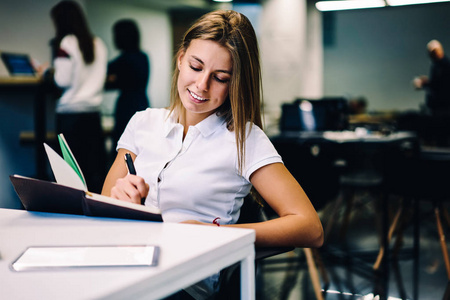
{"points": [[69, 158]]}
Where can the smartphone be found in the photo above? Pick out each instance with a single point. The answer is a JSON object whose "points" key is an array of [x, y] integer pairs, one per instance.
{"points": [[45, 257]]}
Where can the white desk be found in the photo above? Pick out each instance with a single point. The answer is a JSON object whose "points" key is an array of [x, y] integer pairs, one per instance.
{"points": [[189, 253]]}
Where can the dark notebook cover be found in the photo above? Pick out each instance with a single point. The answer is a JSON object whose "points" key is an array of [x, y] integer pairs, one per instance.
{"points": [[45, 196]]}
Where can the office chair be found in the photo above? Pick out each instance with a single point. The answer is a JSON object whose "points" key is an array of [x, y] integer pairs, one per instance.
{"points": [[312, 162], [251, 212], [360, 180]]}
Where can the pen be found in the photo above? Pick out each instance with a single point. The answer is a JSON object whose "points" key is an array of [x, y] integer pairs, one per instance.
{"points": [[130, 164], [131, 169]]}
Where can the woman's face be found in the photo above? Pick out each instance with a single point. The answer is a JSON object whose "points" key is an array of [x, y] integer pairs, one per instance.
{"points": [[204, 79]]}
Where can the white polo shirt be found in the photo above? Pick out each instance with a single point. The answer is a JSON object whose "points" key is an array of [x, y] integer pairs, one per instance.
{"points": [[198, 178]]}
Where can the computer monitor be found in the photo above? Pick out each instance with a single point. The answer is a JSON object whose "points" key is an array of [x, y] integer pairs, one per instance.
{"points": [[325, 114], [18, 64]]}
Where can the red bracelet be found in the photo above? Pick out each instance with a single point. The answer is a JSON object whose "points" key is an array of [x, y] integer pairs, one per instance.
{"points": [[216, 221]]}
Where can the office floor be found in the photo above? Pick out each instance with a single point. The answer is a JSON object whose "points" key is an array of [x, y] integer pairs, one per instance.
{"points": [[352, 277]]}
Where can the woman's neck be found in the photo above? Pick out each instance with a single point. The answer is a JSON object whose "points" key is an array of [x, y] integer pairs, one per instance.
{"points": [[189, 119]]}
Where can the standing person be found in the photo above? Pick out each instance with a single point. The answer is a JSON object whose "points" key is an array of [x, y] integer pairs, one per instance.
{"points": [[80, 70], [129, 73], [437, 84], [199, 158]]}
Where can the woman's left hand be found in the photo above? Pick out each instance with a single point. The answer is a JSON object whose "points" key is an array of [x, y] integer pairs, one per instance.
{"points": [[193, 222]]}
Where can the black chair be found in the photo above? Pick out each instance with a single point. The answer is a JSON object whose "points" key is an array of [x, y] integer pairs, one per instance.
{"points": [[312, 161], [415, 177]]}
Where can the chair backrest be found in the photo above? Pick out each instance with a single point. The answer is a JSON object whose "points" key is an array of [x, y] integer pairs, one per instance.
{"points": [[312, 162], [315, 115]]}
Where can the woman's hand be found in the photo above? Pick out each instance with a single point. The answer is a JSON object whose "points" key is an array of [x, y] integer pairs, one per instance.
{"points": [[193, 222], [123, 186], [130, 188]]}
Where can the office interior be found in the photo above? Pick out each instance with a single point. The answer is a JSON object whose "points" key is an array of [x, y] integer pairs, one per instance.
{"points": [[364, 54]]}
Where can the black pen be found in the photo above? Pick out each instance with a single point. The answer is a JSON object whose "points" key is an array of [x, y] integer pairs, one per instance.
{"points": [[131, 169], [130, 164]]}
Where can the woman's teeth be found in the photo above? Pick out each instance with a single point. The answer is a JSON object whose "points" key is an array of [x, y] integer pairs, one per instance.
{"points": [[197, 97]]}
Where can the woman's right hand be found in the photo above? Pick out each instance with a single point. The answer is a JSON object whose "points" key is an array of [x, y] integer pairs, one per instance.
{"points": [[121, 185], [130, 188]]}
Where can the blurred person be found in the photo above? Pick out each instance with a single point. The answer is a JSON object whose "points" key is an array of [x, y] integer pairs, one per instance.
{"points": [[129, 73], [79, 68], [437, 84]]}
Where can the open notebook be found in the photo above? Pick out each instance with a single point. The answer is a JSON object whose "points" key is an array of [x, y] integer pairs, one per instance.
{"points": [[69, 194]]}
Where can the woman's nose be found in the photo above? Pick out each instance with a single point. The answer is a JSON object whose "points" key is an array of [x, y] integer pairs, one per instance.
{"points": [[203, 82]]}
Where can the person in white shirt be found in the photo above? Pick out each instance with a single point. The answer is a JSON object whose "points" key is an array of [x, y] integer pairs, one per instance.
{"points": [[199, 158], [80, 61]]}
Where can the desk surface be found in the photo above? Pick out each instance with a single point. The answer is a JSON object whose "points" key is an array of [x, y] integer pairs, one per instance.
{"points": [[346, 136], [19, 80], [189, 253]]}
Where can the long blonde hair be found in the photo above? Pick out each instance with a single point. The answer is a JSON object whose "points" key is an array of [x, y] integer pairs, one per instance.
{"points": [[233, 31]]}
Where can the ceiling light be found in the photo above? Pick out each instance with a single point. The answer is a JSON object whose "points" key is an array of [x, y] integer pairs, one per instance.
{"points": [[350, 4], [411, 2]]}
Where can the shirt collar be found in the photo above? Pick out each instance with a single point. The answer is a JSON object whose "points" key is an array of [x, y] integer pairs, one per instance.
{"points": [[206, 127], [210, 124], [170, 124]]}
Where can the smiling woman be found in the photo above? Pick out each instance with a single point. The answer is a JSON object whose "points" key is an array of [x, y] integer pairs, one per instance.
{"points": [[203, 82], [197, 160]]}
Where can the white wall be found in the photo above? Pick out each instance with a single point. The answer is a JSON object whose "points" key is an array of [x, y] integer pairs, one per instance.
{"points": [[291, 51], [26, 27], [377, 52]]}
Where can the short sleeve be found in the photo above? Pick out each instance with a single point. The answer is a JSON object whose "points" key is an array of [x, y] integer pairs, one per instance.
{"points": [[259, 152], [127, 139]]}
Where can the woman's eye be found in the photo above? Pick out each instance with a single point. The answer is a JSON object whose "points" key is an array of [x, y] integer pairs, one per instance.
{"points": [[195, 69], [221, 80]]}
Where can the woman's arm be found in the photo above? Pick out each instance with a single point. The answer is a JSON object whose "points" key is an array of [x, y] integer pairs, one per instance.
{"points": [[298, 224], [63, 71], [121, 185]]}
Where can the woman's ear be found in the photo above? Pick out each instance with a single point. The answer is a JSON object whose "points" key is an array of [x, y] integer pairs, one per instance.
{"points": [[179, 59]]}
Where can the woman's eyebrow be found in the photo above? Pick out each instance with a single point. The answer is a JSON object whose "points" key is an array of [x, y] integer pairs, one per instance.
{"points": [[201, 61]]}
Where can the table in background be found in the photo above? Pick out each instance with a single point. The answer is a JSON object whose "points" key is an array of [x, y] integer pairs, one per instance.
{"points": [[189, 253], [361, 149]]}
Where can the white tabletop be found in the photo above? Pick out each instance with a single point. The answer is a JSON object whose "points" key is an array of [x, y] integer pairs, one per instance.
{"points": [[189, 253]]}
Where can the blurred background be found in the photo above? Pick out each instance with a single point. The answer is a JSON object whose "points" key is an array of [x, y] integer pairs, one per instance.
{"points": [[364, 57]]}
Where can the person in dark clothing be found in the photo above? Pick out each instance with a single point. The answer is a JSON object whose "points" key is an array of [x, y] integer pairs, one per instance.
{"points": [[129, 73], [437, 84]]}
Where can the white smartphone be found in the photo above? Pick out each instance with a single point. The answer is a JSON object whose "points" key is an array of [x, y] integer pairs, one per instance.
{"points": [[49, 257]]}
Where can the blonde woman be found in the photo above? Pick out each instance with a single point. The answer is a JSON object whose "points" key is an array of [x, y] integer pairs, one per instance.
{"points": [[199, 158]]}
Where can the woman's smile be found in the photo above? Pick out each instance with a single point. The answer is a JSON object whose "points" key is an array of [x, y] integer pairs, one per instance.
{"points": [[196, 97]]}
